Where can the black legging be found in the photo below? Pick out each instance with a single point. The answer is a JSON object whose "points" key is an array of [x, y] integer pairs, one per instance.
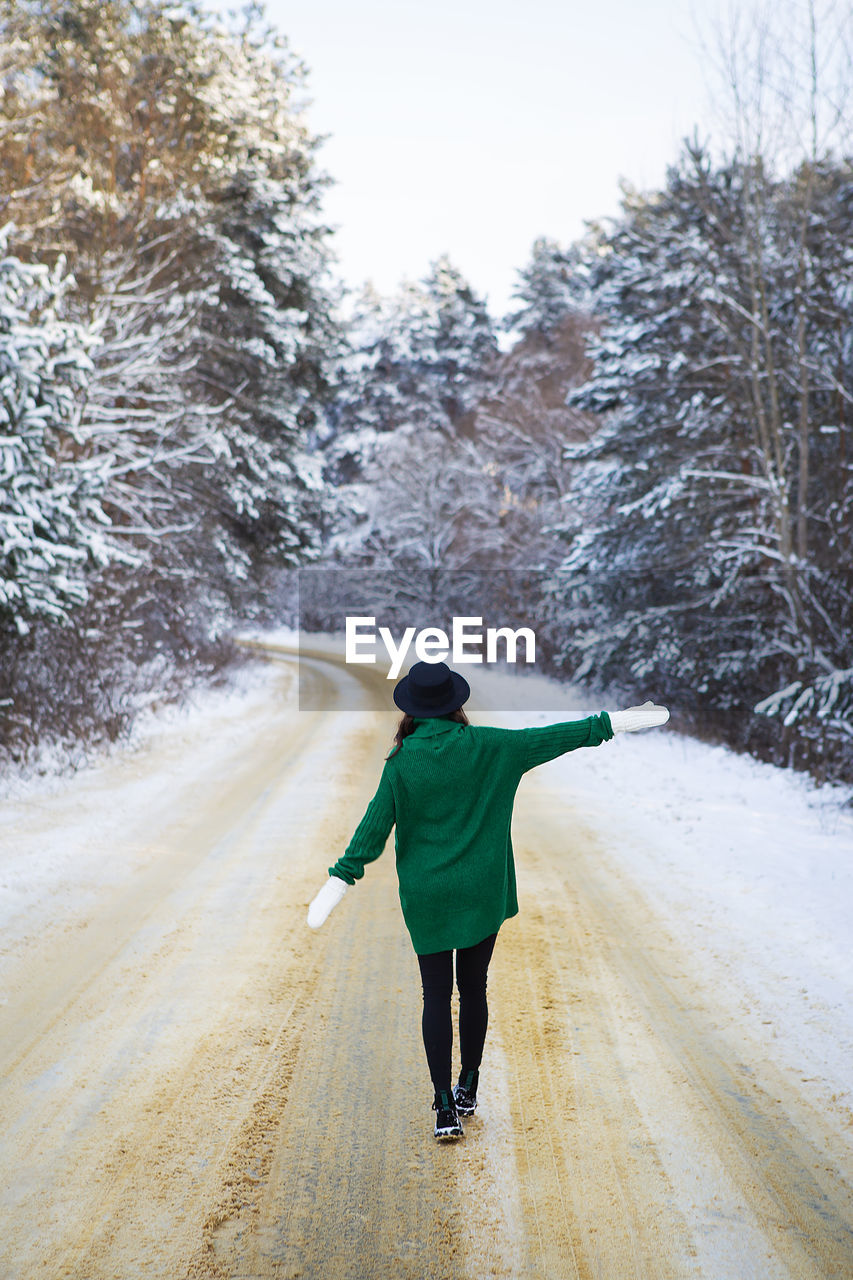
{"points": [[472, 964]]}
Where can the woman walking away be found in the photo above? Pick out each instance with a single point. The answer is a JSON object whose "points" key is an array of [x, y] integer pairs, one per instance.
{"points": [[449, 787]]}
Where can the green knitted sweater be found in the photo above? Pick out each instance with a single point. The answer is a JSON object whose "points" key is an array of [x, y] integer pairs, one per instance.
{"points": [[450, 790]]}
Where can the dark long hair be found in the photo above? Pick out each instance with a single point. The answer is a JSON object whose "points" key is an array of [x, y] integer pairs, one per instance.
{"points": [[407, 724]]}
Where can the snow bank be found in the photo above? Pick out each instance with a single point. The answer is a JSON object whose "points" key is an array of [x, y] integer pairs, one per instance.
{"points": [[750, 868]]}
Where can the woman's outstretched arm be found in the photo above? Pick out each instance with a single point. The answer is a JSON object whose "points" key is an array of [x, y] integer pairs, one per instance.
{"points": [[366, 845], [554, 740], [370, 835]]}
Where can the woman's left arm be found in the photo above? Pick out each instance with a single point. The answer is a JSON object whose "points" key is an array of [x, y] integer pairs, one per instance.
{"points": [[555, 739], [552, 740]]}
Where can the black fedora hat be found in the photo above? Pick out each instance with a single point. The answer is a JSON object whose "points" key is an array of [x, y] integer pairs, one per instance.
{"points": [[431, 689]]}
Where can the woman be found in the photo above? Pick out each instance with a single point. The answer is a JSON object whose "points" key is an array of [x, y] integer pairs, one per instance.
{"points": [[449, 788]]}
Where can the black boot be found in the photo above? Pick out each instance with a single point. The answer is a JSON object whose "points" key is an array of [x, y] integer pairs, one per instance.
{"points": [[465, 1093], [446, 1119]]}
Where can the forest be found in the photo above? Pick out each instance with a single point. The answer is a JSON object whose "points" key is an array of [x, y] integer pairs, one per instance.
{"points": [[648, 459]]}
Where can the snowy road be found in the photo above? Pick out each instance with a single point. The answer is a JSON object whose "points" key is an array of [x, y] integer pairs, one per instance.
{"points": [[196, 1085]]}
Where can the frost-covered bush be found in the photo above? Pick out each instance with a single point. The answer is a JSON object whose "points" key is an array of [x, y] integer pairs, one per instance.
{"points": [[828, 699]]}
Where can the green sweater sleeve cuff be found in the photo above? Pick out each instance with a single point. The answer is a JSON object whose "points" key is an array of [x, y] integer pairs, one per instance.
{"points": [[342, 874], [556, 739]]}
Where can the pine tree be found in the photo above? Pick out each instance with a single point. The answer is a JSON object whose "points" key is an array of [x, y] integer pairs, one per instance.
{"points": [[422, 358], [684, 561], [550, 289], [173, 167], [269, 340], [51, 518], [162, 151]]}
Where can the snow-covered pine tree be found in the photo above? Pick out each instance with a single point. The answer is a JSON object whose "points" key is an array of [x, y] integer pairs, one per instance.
{"points": [[549, 289], [522, 423], [638, 525], [418, 363], [814, 687], [683, 559], [456, 342], [187, 201], [51, 518], [130, 135], [422, 357], [268, 340]]}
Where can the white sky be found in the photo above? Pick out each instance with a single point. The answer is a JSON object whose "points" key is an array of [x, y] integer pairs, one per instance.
{"points": [[472, 127]]}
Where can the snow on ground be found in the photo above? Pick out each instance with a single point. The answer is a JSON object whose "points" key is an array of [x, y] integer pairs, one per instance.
{"points": [[749, 866], [51, 771], [59, 841]]}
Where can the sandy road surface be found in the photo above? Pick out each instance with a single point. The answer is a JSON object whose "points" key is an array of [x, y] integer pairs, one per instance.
{"points": [[196, 1085]]}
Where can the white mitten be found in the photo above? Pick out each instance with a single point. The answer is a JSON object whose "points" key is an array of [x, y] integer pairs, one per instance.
{"points": [[328, 897], [644, 717]]}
